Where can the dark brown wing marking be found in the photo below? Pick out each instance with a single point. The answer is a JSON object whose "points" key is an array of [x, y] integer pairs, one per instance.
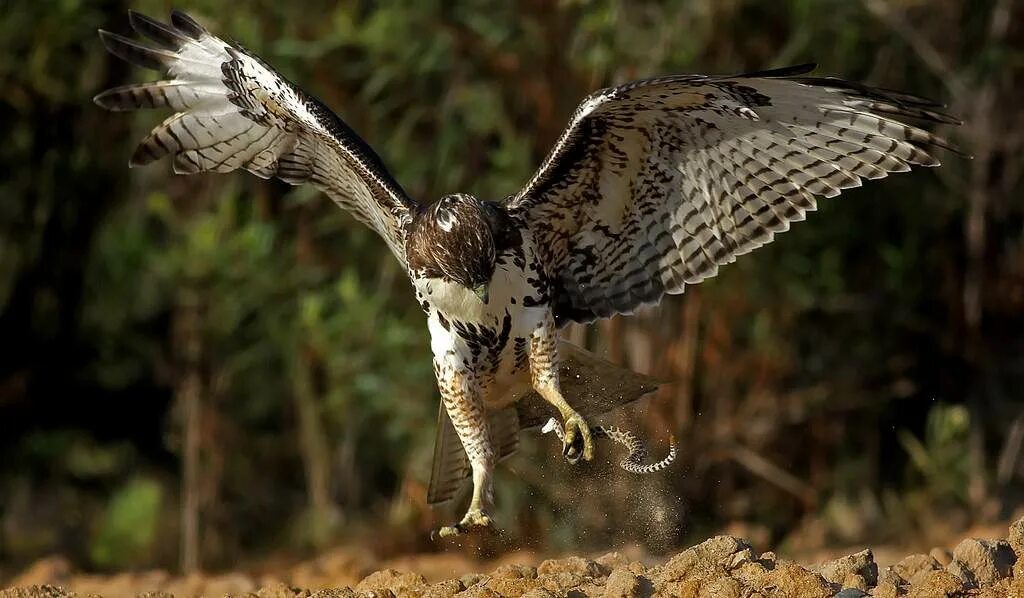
{"points": [[657, 183]]}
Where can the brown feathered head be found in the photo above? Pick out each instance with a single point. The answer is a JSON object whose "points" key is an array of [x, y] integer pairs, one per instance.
{"points": [[457, 238]]}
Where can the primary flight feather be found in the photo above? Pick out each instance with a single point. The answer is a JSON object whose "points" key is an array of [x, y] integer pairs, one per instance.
{"points": [[652, 186]]}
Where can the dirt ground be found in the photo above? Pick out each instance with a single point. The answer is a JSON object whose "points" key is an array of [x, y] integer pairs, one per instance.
{"points": [[723, 566]]}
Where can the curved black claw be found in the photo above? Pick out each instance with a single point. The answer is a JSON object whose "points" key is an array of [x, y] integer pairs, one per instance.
{"points": [[573, 452], [578, 442]]}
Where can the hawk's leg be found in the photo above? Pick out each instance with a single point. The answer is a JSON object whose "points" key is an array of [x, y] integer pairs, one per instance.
{"points": [[463, 403], [544, 376]]}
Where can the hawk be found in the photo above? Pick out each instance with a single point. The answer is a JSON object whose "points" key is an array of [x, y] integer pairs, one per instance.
{"points": [[652, 186]]}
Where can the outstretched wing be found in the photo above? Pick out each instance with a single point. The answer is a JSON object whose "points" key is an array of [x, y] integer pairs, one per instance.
{"points": [[233, 111], [657, 183]]}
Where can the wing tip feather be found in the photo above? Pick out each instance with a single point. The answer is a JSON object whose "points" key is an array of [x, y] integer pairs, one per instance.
{"points": [[141, 156], [121, 99], [785, 71], [131, 51], [102, 100], [187, 25], [156, 31]]}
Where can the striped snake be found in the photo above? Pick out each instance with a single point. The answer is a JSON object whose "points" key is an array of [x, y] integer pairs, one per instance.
{"points": [[633, 462]]}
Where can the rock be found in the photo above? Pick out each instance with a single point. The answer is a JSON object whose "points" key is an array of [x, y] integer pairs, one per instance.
{"points": [[574, 564], [637, 568], [390, 579], [793, 580], [988, 560], [485, 592], [343, 592], [471, 579], [707, 554], [721, 587], [1002, 589], [721, 567], [852, 571], [886, 590], [512, 571], [1016, 537], [1016, 586], [444, 589], [693, 571], [915, 567], [943, 556], [154, 594], [750, 574], [741, 558], [890, 585], [936, 584], [676, 589], [958, 570], [36, 591], [623, 583], [612, 560], [589, 587], [561, 582], [512, 587], [854, 581]]}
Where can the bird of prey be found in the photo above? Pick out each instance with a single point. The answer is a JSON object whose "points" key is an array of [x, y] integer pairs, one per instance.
{"points": [[652, 186]]}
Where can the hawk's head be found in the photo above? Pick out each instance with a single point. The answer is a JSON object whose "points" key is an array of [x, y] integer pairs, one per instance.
{"points": [[457, 238]]}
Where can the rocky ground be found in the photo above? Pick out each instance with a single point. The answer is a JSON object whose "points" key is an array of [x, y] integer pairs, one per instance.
{"points": [[723, 566]]}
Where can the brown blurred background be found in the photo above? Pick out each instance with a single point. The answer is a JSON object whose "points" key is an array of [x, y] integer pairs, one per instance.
{"points": [[213, 370]]}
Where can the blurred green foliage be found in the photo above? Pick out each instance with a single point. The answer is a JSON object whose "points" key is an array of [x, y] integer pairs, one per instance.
{"points": [[942, 457], [128, 529], [822, 352]]}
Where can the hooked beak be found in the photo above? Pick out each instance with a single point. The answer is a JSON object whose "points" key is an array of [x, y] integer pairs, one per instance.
{"points": [[481, 292]]}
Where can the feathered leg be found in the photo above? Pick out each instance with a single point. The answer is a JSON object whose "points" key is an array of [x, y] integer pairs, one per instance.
{"points": [[462, 402], [544, 376]]}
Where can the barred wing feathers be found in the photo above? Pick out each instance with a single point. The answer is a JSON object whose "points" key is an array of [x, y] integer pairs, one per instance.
{"points": [[657, 183], [233, 111]]}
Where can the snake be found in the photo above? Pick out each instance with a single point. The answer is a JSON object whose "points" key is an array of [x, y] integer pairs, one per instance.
{"points": [[633, 462]]}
